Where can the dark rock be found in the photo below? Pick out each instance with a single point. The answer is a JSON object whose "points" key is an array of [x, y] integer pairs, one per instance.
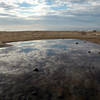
{"points": [[89, 51], [36, 70], [77, 43], [34, 93]]}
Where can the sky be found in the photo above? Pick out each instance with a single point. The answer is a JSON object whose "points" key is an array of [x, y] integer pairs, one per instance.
{"points": [[49, 15]]}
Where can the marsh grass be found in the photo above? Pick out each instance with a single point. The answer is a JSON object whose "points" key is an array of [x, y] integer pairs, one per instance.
{"points": [[37, 35]]}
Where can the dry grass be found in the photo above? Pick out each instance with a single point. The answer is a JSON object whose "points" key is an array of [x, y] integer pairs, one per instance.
{"points": [[37, 35]]}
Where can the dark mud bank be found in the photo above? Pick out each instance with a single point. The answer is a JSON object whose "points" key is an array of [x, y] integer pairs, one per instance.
{"points": [[4, 45]]}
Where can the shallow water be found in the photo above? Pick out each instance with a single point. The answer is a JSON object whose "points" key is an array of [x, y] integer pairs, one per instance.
{"points": [[45, 63]]}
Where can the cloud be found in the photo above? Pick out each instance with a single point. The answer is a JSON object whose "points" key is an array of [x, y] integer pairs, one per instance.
{"points": [[40, 10], [46, 7]]}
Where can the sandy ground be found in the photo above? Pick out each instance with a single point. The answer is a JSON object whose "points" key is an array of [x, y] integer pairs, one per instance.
{"points": [[37, 35]]}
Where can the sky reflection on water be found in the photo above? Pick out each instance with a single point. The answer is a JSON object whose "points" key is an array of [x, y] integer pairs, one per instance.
{"points": [[28, 54], [47, 65]]}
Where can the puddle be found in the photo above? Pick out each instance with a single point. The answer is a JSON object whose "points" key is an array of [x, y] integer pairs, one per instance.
{"points": [[28, 54], [59, 59]]}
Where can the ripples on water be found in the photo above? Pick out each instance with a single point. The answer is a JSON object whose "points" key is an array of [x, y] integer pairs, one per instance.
{"points": [[50, 70]]}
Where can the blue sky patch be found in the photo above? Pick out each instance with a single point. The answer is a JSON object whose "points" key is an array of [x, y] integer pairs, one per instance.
{"points": [[26, 4], [63, 7]]}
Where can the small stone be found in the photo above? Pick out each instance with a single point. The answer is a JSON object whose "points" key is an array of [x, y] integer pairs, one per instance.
{"points": [[89, 51], [34, 93], [36, 70], [77, 43]]}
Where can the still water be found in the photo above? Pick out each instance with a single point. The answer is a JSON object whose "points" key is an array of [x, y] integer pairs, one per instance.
{"points": [[48, 66]]}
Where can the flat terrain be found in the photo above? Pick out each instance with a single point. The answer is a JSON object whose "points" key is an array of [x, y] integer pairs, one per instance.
{"points": [[50, 70], [37, 35]]}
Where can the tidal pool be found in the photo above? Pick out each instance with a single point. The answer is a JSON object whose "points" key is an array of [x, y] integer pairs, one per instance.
{"points": [[59, 69]]}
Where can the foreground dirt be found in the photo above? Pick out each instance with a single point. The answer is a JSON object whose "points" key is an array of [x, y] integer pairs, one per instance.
{"points": [[37, 35]]}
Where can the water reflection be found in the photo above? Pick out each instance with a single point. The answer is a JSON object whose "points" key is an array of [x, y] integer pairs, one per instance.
{"points": [[23, 54], [49, 65]]}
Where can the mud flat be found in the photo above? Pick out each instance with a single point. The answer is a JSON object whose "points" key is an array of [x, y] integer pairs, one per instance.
{"points": [[58, 69]]}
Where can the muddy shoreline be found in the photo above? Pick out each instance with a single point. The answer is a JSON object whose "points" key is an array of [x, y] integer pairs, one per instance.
{"points": [[4, 45], [62, 69]]}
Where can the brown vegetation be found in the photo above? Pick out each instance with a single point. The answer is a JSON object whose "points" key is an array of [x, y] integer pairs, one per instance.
{"points": [[37, 35]]}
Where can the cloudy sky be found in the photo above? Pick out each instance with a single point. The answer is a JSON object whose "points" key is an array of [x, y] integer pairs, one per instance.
{"points": [[49, 14]]}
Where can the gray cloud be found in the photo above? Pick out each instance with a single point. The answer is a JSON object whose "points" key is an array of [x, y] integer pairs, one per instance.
{"points": [[6, 6], [75, 13]]}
